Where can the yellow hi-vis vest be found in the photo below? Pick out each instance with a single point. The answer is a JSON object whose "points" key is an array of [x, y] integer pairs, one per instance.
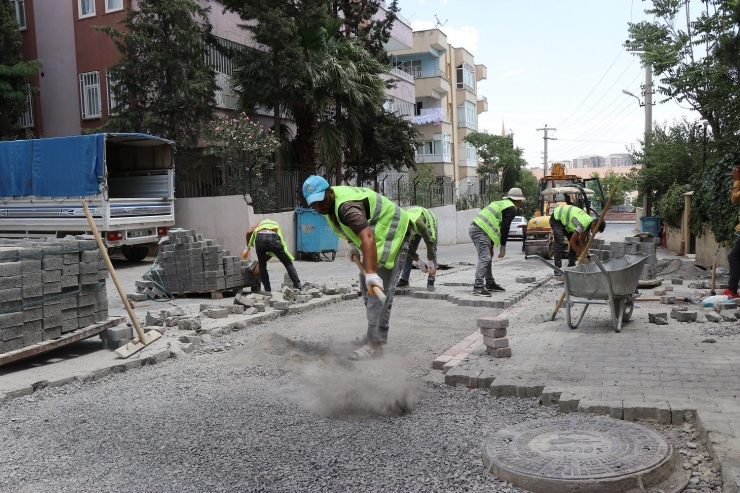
{"points": [[566, 213], [416, 212], [388, 222], [489, 219], [270, 224]]}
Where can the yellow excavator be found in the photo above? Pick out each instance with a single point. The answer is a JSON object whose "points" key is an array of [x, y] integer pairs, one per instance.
{"points": [[556, 189]]}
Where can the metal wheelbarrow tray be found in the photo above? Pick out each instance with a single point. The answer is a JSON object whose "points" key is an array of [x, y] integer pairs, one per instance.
{"points": [[612, 283]]}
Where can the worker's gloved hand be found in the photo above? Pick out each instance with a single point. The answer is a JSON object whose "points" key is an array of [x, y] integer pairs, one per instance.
{"points": [[432, 267], [352, 250], [423, 265], [502, 251], [373, 280]]}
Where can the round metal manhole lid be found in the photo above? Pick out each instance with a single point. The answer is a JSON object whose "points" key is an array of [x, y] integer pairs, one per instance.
{"points": [[560, 452]]}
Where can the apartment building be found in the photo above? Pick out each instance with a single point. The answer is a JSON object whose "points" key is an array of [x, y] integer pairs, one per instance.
{"points": [[73, 83], [447, 105]]}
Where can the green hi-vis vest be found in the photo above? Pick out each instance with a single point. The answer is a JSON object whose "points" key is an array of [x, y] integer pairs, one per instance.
{"points": [[388, 222], [565, 214], [270, 224], [416, 212], [489, 219]]}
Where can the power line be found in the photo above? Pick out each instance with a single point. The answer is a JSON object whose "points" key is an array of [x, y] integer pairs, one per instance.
{"points": [[619, 109], [601, 132], [592, 90], [605, 93], [598, 131]]}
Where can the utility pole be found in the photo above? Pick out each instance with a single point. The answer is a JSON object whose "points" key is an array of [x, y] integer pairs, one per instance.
{"points": [[546, 138], [647, 204]]}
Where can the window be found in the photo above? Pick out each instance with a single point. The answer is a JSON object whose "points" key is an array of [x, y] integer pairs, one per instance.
{"points": [[86, 8], [25, 120], [466, 77], [439, 149], [90, 95], [412, 67], [466, 115], [20, 13], [115, 95], [113, 5], [471, 157]]}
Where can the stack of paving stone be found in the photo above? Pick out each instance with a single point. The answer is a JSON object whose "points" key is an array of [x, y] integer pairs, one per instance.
{"points": [[631, 244], [494, 336], [189, 263], [48, 288]]}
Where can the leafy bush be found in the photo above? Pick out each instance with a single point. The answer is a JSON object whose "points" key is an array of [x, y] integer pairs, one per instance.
{"points": [[711, 206], [670, 206]]}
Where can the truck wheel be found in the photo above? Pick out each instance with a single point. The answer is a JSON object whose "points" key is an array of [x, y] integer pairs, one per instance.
{"points": [[551, 249], [135, 253]]}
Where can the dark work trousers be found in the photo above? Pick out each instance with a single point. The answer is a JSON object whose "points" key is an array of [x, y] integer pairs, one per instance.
{"points": [[734, 260], [270, 243], [558, 231], [524, 236]]}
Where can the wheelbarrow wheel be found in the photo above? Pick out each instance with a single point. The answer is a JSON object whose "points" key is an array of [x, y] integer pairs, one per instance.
{"points": [[629, 305]]}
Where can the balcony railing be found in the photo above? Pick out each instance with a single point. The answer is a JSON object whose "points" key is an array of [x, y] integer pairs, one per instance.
{"points": [[432, 115], [482, 98], [421, 74], [401, 18], [402, 75]]}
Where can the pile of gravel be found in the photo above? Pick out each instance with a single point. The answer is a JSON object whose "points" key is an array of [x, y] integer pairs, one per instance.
{"points": [[205, 424]]}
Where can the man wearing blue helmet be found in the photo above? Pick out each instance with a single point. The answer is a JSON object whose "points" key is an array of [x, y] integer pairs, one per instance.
{"points": [[379, 229]]}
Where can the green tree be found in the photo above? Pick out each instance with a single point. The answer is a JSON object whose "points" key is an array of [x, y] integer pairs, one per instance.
{"points": [[672, 154], [14, 72], [162, 84], [530, 186], [689, 54], [499, 156], [358, 17], [610, 180], [389, 142], [268, 75]]}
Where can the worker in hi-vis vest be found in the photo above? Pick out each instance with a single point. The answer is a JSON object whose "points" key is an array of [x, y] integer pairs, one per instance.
{"points": [[423, 225], [379, 229], [574, 223], [268, 240], [491, 227]]}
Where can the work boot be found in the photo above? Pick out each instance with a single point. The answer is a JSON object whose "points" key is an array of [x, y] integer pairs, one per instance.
{"points": [[494, 287], [430, 286], [402, 284], [480, 292]]}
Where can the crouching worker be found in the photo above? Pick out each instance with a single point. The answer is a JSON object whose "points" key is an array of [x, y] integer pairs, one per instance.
{"points": [[423, 225], [575, 224], [379, 229], [267, 238]]}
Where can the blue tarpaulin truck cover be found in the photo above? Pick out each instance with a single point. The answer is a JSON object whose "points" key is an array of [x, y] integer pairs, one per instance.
{"points": [[55, 167]]}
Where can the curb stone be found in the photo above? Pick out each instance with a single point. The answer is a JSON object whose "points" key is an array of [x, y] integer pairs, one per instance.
{"points": [[162, 354]]}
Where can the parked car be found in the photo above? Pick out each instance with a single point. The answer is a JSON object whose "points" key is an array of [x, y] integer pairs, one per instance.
{"points": [[516, 230]]}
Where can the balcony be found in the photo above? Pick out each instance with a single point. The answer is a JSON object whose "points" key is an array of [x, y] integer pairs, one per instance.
{"points": [[482, 104], [433, 116], [401, 35], [481, 72], [225, 97], [433, 38], [402, 75], [431, 83]]}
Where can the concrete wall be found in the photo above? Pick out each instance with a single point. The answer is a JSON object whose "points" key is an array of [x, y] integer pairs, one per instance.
{"points": [[708, 251], [227, 219], [674, 240], [639, 212]]}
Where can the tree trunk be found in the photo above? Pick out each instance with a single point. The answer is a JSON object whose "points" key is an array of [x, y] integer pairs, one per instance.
{"points": [[305, 147]]}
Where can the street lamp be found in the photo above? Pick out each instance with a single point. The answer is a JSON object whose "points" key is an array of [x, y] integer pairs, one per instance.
{"points": [[625, 91]]}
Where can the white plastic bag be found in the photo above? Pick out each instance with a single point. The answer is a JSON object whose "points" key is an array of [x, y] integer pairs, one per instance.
{"points": [[714, 300]]}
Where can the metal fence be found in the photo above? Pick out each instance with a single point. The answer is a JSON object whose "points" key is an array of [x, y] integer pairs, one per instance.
{"points": [[198, 175]]}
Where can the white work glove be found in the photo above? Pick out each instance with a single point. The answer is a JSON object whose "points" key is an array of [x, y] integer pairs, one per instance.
{"points": [[352, 250], [502, 251], [422, 265], [432, 268], [373, 280]]}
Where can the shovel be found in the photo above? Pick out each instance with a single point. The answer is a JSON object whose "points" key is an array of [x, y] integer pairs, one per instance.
{"points": [[142, 340]]}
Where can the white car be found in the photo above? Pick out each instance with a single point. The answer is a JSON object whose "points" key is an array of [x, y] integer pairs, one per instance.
{"points": [[516, 230]]}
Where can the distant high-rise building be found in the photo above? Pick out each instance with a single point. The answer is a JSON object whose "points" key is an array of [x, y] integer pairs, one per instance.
{"points": [[618, 160]]}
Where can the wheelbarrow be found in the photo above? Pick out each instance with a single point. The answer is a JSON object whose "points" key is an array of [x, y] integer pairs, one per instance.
{"points": [[612, 283]]}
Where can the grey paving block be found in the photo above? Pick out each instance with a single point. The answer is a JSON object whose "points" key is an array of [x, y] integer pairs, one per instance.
{"points": [[462, 375], [504, 387], [493, 332], [612, 408], [686, 316], [568, 402], [496, 342]]}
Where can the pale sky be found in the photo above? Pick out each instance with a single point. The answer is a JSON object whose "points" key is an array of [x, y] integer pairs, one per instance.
{"points": [[559, 63]]}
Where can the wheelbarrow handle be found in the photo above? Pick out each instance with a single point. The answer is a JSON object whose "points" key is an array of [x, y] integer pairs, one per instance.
{"points": [[549, 264]]}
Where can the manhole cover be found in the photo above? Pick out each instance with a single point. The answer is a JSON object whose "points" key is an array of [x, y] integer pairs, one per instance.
{"points": [[579, 452]]}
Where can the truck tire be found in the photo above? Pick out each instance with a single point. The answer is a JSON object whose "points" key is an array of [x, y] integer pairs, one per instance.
{"points": [[135, 253]]}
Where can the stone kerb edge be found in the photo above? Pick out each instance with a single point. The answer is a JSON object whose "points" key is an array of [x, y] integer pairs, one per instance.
{"points": [[165, 353]]}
